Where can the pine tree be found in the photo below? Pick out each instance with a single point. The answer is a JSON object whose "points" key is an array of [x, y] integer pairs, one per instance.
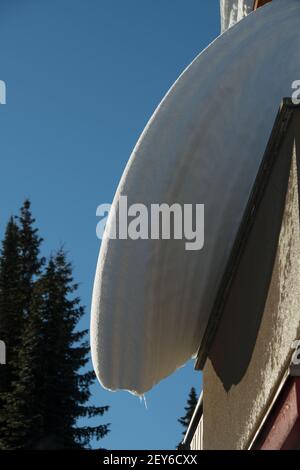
{"points": [[31, 262], [66, 388], [48, 390], [51, 392], [189, 410], [11, 321], [20, 264]]}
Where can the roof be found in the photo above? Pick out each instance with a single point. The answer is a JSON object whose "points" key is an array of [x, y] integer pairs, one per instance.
{"points": [[281, 124]]}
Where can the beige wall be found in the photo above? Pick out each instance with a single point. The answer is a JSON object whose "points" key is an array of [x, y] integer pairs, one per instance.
{"points": [[252, 347], [197, 441]]}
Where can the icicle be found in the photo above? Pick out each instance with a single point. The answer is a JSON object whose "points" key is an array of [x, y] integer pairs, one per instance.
{"points": [[143, 400]]}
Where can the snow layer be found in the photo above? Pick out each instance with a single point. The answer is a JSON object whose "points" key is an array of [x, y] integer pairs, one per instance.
{"points": [[233, 11], [152, 299]]}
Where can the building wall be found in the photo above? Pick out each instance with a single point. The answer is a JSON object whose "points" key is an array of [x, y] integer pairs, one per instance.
{"points": [[252, 348], [197, 441]]}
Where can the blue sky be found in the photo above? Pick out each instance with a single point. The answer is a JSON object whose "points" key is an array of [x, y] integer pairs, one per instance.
{"points": [[83, 78]]}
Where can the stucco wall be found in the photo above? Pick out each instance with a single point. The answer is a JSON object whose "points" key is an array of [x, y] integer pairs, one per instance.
{"points": [[252, 347]]}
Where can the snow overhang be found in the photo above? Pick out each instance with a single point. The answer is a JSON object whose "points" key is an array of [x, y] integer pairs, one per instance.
{"points": [[152, 299]]}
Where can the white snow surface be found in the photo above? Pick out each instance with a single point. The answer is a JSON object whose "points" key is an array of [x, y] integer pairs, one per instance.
{"points": [[152, 299], [233, 11]]}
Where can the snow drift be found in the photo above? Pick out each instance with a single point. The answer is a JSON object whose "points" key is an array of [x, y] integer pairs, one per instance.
{"points": [[152, 299]]}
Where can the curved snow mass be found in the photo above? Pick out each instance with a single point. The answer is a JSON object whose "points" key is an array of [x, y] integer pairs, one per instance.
{"points": [[152, 299], [233, 11]]}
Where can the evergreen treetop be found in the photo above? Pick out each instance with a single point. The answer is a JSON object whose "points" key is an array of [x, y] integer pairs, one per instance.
{"points": [[50, 388], [189, 410]]}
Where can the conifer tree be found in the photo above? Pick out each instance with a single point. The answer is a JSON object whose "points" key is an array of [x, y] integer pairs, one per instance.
{"points": [[50, 387], [66, 389], [11, 321], [189, 410], [20, 264], [31, 262], [51, 392]]}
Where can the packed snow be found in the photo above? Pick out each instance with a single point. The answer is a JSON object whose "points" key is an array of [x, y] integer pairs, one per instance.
{"points": [[233, 11], [152, 299]]}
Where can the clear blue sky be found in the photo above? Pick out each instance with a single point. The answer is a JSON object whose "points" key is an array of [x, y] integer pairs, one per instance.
{"points": [[83, 78]]}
